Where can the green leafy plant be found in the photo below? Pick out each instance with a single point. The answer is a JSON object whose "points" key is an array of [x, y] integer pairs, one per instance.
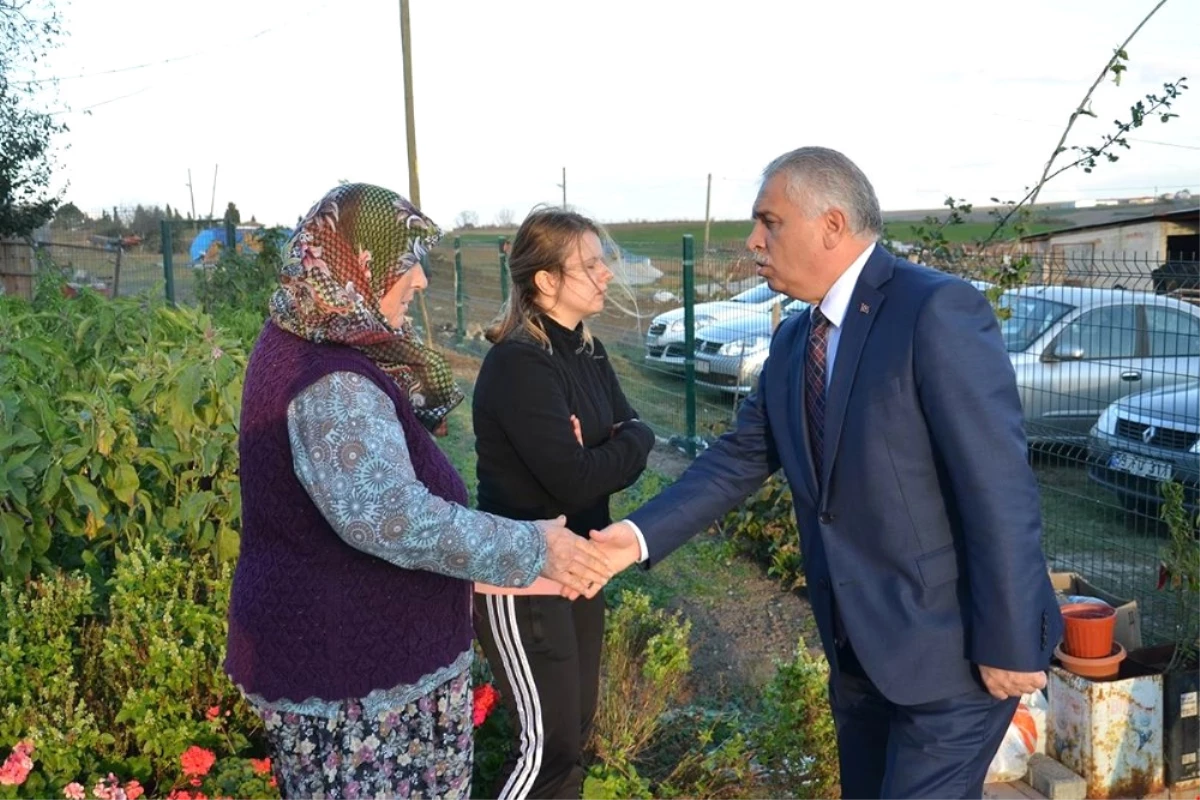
{"points": [[1179, 572], [242, 283], [644, 671], [118, 424], [795, 737], [765, 526]]}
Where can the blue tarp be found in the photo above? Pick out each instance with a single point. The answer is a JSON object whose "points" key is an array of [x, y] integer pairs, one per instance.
{"points": [[207, 245]]}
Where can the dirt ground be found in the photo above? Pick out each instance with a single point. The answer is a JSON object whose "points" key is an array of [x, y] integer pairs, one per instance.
{"points": [[743, 622]]}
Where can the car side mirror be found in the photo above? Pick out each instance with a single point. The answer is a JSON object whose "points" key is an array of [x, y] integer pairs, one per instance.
{"points": [[1052, 354]]}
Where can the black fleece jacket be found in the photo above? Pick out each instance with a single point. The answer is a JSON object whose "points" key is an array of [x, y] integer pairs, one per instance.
{"points": [[530, 465]]}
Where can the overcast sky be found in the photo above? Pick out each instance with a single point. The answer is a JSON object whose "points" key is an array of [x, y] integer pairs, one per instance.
{"points": [[638, 99]]}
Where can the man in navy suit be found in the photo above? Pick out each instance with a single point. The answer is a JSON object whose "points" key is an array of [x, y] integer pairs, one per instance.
{"points": [[893, 410]]}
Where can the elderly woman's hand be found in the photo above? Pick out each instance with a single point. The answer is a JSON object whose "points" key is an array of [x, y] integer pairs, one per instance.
{"points": [[572, 560]]}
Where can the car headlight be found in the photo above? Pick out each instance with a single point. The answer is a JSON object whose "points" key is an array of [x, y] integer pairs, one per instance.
{"points": [[744, 347], [1107, 424], [701, 322]]}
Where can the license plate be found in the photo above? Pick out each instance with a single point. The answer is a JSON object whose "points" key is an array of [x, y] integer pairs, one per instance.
{"points": [[703, 366], [1142, 467]]}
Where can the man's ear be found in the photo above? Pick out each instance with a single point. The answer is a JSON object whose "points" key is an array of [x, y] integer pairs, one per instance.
{"points": [[834, 227]]}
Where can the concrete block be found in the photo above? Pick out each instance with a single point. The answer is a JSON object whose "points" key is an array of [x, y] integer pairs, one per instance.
{"points": [[1010, 790], [1052, 779]]}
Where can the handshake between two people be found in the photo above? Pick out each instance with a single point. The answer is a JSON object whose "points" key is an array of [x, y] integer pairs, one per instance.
{"points": [[582, 566]]}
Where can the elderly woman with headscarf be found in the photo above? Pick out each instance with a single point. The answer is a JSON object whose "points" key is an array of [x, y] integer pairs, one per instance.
{"points": [[350, 616]]}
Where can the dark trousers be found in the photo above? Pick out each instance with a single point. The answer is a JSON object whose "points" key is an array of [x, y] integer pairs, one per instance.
{"points": [[933, 750], [545, 654]]}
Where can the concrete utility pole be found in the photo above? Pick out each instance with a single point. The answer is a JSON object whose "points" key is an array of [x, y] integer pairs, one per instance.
{"points": [[564, 188], [707, 218]]}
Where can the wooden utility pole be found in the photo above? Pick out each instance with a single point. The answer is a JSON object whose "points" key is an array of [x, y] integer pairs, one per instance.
{"points": [[564, 188], [410, 127]]}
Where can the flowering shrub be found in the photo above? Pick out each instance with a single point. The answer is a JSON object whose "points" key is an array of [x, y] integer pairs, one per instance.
{"points": [[484, 700], [127, 692], [205, 777], [17, 766]]}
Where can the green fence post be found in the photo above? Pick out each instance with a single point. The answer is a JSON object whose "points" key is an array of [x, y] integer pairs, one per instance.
{"points": [[689, 339], [460, 294], [168, 268], [501, 242]]}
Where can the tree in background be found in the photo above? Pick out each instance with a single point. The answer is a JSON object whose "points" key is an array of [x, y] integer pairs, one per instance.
{"points": [[504, 218], [466, 220], [232, 215], [28, 30], [68, 217]]}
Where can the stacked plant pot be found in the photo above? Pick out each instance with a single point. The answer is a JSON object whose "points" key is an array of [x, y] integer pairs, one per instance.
{"points": [[1088, 649]]}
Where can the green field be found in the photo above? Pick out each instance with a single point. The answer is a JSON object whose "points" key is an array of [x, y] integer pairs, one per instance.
{"points": [[957, 234], [664, 239], [661, 239]]}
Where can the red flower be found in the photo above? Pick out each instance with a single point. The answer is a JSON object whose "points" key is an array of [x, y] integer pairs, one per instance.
{"points": [[485, 699], [213, 713], [262, 766], [197, 761], [134, 790], [196, 783], [179, 794]]}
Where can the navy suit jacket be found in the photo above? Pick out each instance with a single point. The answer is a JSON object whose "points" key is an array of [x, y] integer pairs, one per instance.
{"points": [[926, 525]]}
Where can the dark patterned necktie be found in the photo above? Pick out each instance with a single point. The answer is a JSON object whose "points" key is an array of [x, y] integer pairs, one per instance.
{"points": [[814, 388]]}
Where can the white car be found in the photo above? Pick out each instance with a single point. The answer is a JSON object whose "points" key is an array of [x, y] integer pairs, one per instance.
{"points": [[664, 339]]}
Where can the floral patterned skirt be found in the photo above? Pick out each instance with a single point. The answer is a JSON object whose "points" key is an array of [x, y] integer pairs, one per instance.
{"points": [[422, 749]]}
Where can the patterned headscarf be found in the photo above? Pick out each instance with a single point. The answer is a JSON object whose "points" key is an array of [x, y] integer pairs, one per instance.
{"points": [[347, 253]]}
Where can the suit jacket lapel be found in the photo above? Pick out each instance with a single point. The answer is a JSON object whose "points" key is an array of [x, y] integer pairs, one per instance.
{"points": [[865, 303]]}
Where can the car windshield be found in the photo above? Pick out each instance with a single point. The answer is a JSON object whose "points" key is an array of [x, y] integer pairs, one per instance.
{"points": [[1030, 318], [757, 294]]}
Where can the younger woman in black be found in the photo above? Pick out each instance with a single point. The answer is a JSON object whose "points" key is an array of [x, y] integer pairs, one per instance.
{"points": [[554, 435]]}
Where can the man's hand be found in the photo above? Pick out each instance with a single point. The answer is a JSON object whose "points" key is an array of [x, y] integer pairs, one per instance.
{"points": [[619, 544], [577, 429], [1003, 683], [573, 561]]}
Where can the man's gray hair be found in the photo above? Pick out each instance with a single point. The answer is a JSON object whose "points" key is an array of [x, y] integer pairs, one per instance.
{"points": [[820, 179]]}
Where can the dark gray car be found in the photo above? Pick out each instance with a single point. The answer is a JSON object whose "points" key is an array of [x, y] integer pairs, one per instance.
{"points": [[730, 356], [1145, 439]]}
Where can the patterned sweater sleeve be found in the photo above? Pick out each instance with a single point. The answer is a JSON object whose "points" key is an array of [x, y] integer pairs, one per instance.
{"points": [[350, 454]]}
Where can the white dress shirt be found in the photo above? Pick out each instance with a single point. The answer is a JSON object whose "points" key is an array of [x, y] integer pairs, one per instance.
{"points": [[834, 306]]}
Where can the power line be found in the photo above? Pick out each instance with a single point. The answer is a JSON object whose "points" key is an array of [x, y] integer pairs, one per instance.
{"points": [[86, 109], [172, 59], [1128, 138]]}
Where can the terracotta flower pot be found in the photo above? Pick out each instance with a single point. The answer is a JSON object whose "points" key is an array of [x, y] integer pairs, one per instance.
{"points": [[1088, 629], [1107, 666]]}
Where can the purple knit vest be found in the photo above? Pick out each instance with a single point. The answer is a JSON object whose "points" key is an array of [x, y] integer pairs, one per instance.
{"points": [[309, 615]]}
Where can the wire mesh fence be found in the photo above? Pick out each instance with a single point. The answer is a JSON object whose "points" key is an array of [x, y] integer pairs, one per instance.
{"points": [[641, 326], [1106, 351]]}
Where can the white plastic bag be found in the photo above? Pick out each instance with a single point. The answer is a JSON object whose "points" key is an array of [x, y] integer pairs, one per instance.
{"points": [[1020, 741]]}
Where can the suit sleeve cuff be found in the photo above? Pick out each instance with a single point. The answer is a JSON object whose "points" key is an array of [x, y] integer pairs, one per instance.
{"points": [[644, 552]]}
